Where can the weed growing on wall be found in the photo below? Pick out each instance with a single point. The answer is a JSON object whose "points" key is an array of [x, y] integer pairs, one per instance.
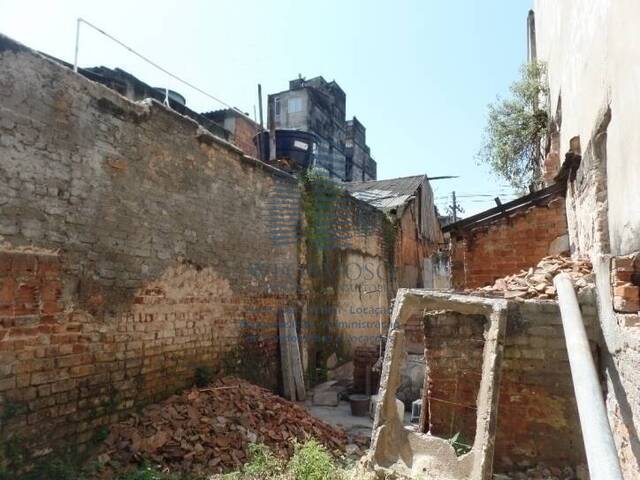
{"points": [[516, 127]]}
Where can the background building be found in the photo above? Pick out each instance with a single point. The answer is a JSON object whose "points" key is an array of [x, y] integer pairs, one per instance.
{"points": [[360, 167], [317, 106]]}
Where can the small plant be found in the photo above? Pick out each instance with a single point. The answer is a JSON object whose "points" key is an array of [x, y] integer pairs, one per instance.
{"points": [[203, 376], [516, 126], [11, 409], [262, 462], [459, 444], [311, 461], [147, 472], [100, 435]]}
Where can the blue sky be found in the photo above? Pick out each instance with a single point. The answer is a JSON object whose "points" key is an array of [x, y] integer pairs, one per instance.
{"points": [[417, 73]]}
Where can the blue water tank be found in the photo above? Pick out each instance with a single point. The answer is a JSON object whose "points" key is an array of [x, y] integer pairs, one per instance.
{"points": [[296, 146]]}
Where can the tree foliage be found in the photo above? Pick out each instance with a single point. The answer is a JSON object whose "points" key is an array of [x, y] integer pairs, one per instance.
{"points": [[516, 127]]}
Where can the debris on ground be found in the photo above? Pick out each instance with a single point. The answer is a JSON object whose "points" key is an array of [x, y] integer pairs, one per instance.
{"points": [[208, 430], [544, 472], [328, 394], [537, 282]]}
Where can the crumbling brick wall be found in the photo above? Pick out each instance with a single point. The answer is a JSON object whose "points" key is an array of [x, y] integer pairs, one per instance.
{"points": [[537, 414], [511, 243], [538, 417], [347, 261], [454, 346], [135, 248], [244, 132]]}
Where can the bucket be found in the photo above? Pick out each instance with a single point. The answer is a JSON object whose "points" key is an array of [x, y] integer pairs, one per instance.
{"points": [[359, 405]]}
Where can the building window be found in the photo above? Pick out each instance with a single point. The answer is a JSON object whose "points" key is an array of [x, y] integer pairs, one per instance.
{"points": [[294, 105], [348, 169], [276, 104]]}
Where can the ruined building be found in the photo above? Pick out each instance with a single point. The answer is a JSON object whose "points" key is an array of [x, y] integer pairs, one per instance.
{"points": [[592, 57], [502, 362], [409, 202], [319, 107], [508, 238]]}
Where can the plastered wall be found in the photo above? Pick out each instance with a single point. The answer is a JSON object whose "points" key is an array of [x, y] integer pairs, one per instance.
{"points": [[593, 59]]}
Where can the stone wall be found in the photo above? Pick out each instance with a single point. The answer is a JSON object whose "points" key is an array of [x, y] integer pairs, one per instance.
{"points": [[480, 255], [590, 48], [135, 249]]}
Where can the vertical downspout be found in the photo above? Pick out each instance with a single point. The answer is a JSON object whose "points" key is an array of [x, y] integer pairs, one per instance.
{"points": [[75, 57], [532, 48], [602, 456]]}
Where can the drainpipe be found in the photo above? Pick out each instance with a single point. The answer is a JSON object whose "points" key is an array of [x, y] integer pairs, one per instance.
{"points": [[532, 49], [602, 456]]}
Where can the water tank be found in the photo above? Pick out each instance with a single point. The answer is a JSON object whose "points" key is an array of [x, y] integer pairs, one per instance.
{"points": [[174, 97], [296, 146]]}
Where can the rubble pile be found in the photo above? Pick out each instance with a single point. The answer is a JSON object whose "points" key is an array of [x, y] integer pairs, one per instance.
{"points": [[543, 472], [537, 282], [208, 430]]}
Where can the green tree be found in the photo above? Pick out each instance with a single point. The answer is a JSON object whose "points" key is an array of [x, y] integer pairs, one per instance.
{"points": [[516, 127]]}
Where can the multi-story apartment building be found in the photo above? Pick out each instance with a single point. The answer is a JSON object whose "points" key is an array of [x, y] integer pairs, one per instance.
{"points": [[318, 107]]}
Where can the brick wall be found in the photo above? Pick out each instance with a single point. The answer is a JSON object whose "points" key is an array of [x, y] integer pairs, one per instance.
{"points": [[243, 132], [347, 259], [509, 244], [135, 248], [454, 344], [537, 415]]}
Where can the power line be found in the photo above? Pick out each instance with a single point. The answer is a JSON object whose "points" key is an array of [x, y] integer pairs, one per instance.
{"points": [[139, 55]]}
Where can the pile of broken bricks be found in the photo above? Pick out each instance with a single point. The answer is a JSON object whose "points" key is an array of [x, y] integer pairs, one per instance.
{"points": [[208, 430], [537, 282]]}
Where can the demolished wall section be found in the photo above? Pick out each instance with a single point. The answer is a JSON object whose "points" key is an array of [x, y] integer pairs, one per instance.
{"points": [[482, 254], [537, 414]]}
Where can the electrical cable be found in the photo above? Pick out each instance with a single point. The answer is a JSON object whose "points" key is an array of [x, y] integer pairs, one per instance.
{"points": [[139, 55]]}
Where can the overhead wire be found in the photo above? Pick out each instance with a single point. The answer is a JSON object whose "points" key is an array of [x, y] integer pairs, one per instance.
{"points": [[151, 62]]}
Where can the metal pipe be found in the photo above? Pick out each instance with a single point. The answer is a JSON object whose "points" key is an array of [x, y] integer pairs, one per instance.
{"points": [[139, 55], [75, 59], [602, 456], [532, 50]]}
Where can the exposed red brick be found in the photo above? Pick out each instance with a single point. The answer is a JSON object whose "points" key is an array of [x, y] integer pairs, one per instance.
{"points": [[506, 246]]}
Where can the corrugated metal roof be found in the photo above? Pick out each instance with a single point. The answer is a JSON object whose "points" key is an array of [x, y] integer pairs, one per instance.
{"points": [[386, 194]]}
